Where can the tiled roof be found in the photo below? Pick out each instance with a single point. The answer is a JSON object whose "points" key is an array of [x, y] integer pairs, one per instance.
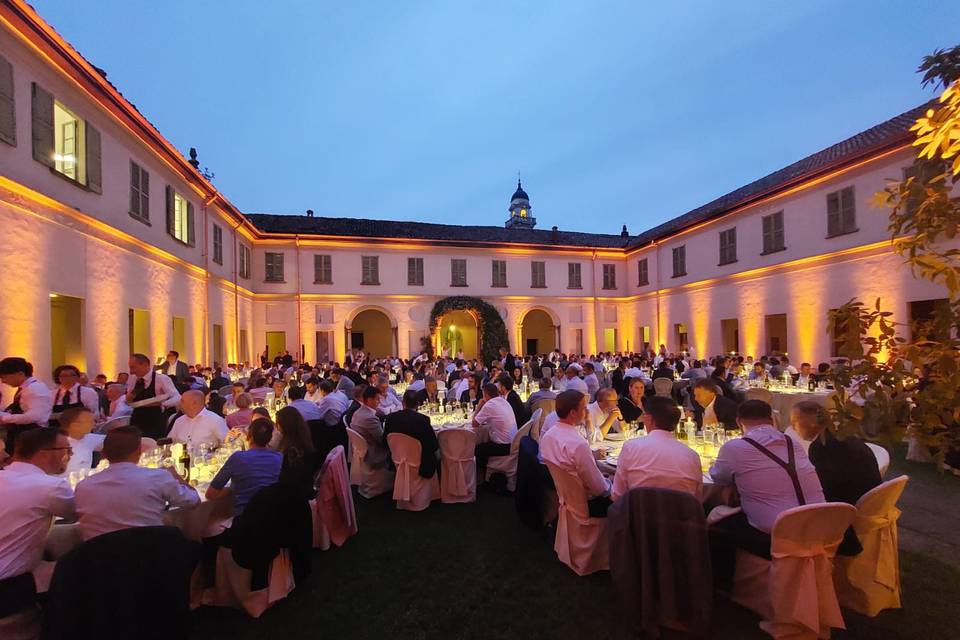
{"points": [[876, 139], [363, 228], [888, 134]]}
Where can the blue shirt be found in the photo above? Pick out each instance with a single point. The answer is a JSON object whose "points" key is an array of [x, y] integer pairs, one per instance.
{"points": [[309, 410], [248, 472]]}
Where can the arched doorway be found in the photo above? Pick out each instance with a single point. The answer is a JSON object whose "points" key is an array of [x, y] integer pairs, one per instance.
{"points": [[372, 331], [458, 332], [538, 333]]}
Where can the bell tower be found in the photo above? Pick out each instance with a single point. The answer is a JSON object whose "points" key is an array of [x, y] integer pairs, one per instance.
{"points": [[521, 216]]}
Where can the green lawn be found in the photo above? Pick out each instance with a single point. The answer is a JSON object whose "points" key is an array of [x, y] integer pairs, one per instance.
{"points": [[473, 571]]}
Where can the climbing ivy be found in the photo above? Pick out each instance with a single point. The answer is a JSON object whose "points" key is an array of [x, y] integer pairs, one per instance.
{"points": [[492, 330]]}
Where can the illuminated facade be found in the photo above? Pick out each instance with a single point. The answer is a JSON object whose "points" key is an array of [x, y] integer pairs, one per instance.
{"points": [[114, 241]]}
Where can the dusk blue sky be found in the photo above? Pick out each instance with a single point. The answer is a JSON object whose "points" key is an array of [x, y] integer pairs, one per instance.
{"points": [[613, 112]]}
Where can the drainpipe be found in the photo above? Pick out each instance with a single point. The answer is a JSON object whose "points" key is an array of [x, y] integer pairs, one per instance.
{"points": [[300, 346]]}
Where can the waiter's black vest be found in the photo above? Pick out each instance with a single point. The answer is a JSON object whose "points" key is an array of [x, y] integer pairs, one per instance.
{"points": [[150, 420]]}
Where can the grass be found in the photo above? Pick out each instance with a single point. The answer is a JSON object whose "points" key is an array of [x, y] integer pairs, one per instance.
{"points": [[474, 572]]}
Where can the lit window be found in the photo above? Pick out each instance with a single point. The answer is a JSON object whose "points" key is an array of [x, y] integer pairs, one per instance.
{"points": [[180, 218], [523, 213], [68, 135]]}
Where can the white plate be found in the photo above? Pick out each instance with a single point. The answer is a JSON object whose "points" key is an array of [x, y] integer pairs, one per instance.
{"points": [[615, 437]]}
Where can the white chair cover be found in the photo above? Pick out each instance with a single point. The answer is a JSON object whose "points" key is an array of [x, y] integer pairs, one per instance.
{"points": [[869, 582], [458, 466], [794, 592], [232, 585], [370, 482], [663, 387], [883, 457], [411, 492], [581, 541], [334, 517], [507, 465]]}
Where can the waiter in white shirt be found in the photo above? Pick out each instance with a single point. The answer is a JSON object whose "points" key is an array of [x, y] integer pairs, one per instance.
{"points": [[563, 447], [126, 495], [496, 414], [149, 393], [71, 394], [197, 424], [32, 401]]}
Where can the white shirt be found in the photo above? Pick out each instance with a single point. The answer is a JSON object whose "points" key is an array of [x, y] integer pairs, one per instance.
{"points": [[548, 423], [566, 384], [596, 417], [657, 460], [83, 449], [171, 368], [790, 431], [164, 387], [88, 396], [314, 397], [564, 447], [592, 384], [497, 415], [709, 414], [332, 406], [389, 403], [417, 385], [119, 408], [206, 426], [31, 499], [36, 401], [125, 495]]}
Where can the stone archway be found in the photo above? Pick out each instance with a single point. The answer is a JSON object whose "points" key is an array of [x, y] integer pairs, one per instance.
{"points": [[539, 331], [458, 333], [372, 329], [491, 331]]}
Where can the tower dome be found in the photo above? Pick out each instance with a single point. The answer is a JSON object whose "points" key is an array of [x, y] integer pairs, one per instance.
{"points": [[521, 215]]}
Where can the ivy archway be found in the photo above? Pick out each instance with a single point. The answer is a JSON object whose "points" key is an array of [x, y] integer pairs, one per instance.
{"points": [[490, 326]]}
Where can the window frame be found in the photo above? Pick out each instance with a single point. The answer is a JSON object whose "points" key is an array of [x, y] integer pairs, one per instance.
{"points": [[139, 192], [217, 244], [541, 282], [609, 276], [244, 257], [415, 274], [728, 247], [643, 272], [322, 268], [574, 268], [498, 274], [680, 251], [772, 233], [370, 270], [455, 265], [844, 226], [270, 272]]}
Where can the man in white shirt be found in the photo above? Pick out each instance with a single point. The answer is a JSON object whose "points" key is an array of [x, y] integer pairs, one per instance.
{"points": [[565, 448], [590, 380], [78, 423], [126, 495], [603, 416], [32, 496], [496, 414], [32, 402], [313, 391], [389, 402], [333, 404], [659, 459], [571, 380], [118, 406], [197, 424], [70, 393]]}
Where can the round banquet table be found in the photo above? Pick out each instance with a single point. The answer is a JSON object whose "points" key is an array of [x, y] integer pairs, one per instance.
{"points": [[783, 400]]}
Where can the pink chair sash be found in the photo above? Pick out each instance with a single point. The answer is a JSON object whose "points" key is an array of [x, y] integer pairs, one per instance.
{"points": [[886, 559], [334, 503]]}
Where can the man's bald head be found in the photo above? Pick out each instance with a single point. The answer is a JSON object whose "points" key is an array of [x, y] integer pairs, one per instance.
{"points": [[191, 402]]}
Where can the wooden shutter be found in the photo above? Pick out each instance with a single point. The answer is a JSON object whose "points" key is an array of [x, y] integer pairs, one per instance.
{"points": [[768, 234], [833, 214], [171, 225], [94, 170], [777, 231], [8, 115], [43, 139], [144, 194], [848, 210], [135, 189], [191, 237]]}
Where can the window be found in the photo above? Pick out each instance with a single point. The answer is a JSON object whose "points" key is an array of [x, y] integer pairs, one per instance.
{"points": [[609, 276], [538, 275], [776, 327], [180, 223], [841, 212], [63, 141], [370, 269], [773, 233], [728, 246], [415, 272], [139, 192], [322, 269], [643, 275], [573, 276], [499, 273], [844, 340], [8, 115], [218, 244], [458, 272], [274, 266], [244, 266], [922, 171], [680, 336], [680, 261]]}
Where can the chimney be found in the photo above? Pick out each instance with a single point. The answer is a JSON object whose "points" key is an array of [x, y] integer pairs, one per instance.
{"points": [[193, 158], [553, 234], [309, 213], [624, 233]]}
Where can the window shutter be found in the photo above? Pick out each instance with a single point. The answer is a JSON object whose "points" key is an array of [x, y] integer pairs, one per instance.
{"points": [[191, 238], [833, 214], [778, 240], [42, 112], [144, 194], [767, 234], [135, 189], [94, 171], [171, 228], [848, 210], [8, 115]]}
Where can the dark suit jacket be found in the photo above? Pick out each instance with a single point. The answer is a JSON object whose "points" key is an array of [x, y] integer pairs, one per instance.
{"points": [[425, 397], [847, 468], [617, 382], [182, 377], [725, 408], [519, 410], [416, 425]]}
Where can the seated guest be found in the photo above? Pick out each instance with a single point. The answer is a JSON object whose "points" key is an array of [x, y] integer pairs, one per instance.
{"points": [[358, 390], [695, 372], [776, 369], [803, 378], [823, 373], [366, 422], [590, 379], [313, 390], [663, 370], [344, 383], [473, 394], [244, 413], [333, 404], [32, 495], [411, 422], [300, 463], [564, 447], [117, 402], [126, 495], [759, 372], [248, 471], [215, 403], [197, 424], [544, 392], [235, 390], [571, 380], [78, 422], [389, 401], [429, 394], [631, 405], [711, 408], [603, 416], [307, 409], [495, 413], [771, 473], [505, 387], [658, 460]]}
